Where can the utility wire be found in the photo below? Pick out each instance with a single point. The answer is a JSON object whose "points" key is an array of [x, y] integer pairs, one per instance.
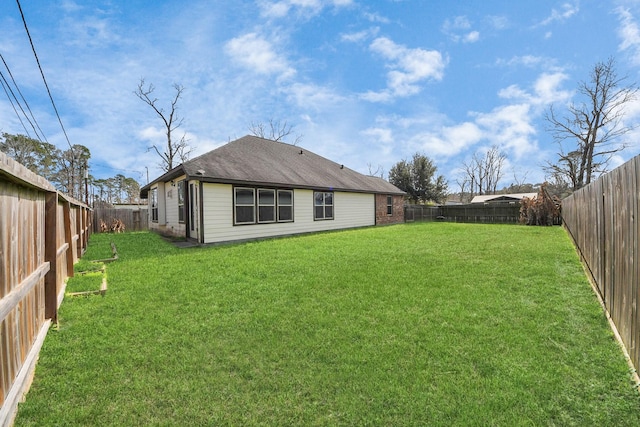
{"points": [[42, 74], [10, 94], [15, 84], [6, 90]]}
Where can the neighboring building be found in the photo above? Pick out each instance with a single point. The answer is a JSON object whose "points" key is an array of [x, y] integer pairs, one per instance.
{"points": [[131, 206], [254, 188], [503, 198]]}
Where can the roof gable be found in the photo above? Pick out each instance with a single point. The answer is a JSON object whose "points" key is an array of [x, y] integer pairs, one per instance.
{"points": [[258, 161]]}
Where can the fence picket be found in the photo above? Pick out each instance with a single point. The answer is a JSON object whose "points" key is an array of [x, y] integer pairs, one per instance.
{"points": [[38, 231], [133, 219], [498, 213], [602, 219]]}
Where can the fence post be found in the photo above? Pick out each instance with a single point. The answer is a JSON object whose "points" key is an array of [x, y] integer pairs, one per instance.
{"points": [[50, 254], [68, 236], [86, 228], [136, 220], [79, 230]]}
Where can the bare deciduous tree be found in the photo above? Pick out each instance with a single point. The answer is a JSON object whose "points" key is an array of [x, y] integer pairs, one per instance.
{"points": [[482, 173], [171, 121], [275, 131], [378, 171], [464, 184], [594, 126], [520, 182]]}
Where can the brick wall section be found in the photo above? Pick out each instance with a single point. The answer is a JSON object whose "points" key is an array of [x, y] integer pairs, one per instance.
{"points": [[381, 210]]}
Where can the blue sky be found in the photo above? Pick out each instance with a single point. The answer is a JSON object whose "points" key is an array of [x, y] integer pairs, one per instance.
{"points": [[366, 83]]}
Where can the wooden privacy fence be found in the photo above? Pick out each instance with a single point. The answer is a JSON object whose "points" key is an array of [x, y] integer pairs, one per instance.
{"points": [[420, 213], [133, 219], [477, 212], [602, 219], [42, 234]]}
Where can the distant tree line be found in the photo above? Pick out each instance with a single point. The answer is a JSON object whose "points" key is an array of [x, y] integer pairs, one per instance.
{"points": [[68, 170]]}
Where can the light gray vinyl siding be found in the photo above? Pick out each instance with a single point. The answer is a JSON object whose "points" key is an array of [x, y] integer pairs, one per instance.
{"points": [[168, 221], [173, 224], [350, 210]]}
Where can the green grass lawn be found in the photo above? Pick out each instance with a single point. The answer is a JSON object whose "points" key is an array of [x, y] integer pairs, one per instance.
{"points": [[417, 324]]}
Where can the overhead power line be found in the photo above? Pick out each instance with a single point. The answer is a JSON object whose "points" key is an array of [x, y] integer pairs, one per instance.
{"points": [[6, 88], [31, 120], [24, 21]]}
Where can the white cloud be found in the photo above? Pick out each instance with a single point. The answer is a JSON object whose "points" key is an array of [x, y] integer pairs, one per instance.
{"points": [[458, 30], [312, 97], [280, 9], [258, 55], [544, 63], [275, 9], [629, 33], [380, 138], [450, 140], [566, 12], [509, 127], [70, 6], [374, 17], [360, 35], [526, 60], [383, 135], [546, 90], [457, 23], [471, 37], [498, 22], [408, 67], [90, 32], [152, 134], [89, 27], [513, 92], [372, 96]]}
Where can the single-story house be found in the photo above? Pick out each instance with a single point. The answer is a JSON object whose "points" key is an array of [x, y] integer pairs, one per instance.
{"points": [[503, 198], [254, 188]]}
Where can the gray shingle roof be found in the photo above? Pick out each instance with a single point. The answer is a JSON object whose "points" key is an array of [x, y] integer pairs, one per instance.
{"points": [[256, 161]]}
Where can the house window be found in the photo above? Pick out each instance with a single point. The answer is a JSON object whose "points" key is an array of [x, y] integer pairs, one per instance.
{"points": [[389, 205], [266, 205], [154, 204], [323, 205], [262, 205], [244, 202], [285, 205], [181, 201]]}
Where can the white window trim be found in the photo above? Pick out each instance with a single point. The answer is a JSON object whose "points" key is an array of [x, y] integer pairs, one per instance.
{"points": [[259, 205], [236, 204], [278, 205], [154, 204], [181, 184], [256, 205], [324, 205]]}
